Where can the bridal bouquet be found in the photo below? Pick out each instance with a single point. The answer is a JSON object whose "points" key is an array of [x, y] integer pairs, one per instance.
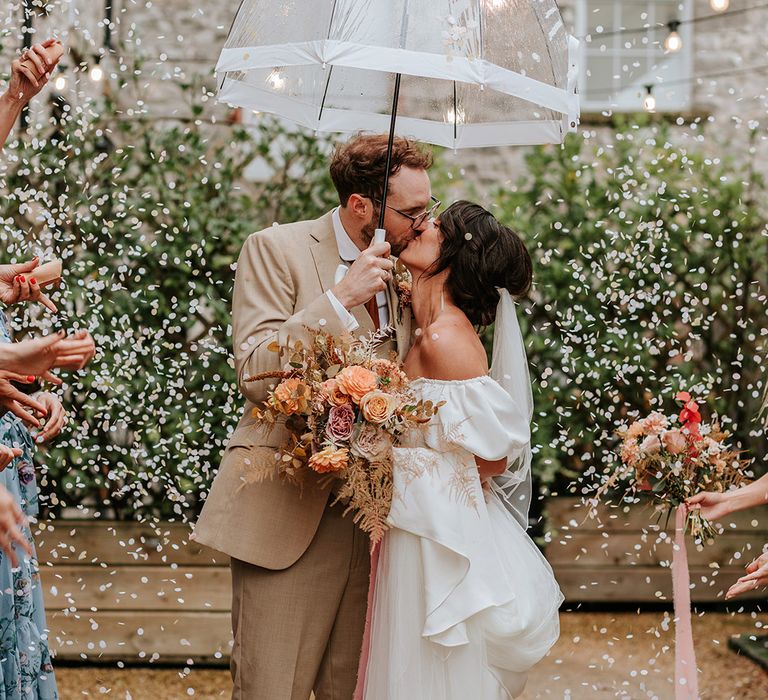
{"points": [[675, 457], [344, 410]]}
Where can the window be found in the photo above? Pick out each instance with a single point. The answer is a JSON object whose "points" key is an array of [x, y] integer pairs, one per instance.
{"points": [[615, 68]]}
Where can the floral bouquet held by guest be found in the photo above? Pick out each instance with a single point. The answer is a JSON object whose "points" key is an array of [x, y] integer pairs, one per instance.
{"points": [[674, 458], [344, 409]]}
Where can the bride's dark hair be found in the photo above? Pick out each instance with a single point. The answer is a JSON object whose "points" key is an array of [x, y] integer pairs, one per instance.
{"points": [[480, 255]]}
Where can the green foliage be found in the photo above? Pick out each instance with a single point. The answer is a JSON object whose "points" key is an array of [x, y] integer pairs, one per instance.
{"points": [[150, 230], [651, 265]]}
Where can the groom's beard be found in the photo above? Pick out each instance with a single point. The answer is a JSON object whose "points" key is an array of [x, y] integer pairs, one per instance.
{"points": [[370, 228]]}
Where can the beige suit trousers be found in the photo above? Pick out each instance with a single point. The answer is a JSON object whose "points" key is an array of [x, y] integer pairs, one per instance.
{"points": [[300, 629]]}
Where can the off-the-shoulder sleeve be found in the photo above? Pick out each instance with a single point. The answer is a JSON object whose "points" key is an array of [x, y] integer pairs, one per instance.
{"points": [[479, 416]]}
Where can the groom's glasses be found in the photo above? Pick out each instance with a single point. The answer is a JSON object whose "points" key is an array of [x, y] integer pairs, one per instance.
{"points": [[418, 220]]}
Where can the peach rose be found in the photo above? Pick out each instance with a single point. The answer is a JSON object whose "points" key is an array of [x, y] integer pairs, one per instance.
{"points": [[332, 391], [630, 452], [674, 442], [291, 396], [635, 430], [329, 460], [378, 407], [356, 382]]}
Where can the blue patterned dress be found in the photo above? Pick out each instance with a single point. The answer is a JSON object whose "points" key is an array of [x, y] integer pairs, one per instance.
{"points": [[26, 672]]}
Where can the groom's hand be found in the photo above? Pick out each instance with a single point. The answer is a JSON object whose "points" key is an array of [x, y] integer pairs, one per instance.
{"points": [[367, 276]]}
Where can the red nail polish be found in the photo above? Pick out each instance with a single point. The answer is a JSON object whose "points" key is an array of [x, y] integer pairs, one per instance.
{"points": [[32, 280], [22, 278], [30, 378]]}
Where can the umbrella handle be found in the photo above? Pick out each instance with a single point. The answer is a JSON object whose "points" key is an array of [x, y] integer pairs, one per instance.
{"points": [[341, 272], [379, 236]]}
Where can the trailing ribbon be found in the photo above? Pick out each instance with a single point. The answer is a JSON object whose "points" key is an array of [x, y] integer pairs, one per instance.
{"points": [[686, 678], [365, 651]]}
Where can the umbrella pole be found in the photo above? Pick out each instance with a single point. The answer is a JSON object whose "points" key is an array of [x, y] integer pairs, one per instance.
{"points": [[380, 233]]}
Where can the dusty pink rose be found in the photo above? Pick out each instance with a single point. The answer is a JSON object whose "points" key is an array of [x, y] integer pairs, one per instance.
{"points": [[341, 420], [674, 442], [371, 443], [654, 423], [651, 445]]}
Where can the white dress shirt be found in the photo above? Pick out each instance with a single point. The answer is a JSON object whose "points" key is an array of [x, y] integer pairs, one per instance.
{"points": [[349, 252]]}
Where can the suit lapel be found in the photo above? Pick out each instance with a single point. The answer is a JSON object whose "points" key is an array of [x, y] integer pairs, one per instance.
{"points": [[325, 255]]}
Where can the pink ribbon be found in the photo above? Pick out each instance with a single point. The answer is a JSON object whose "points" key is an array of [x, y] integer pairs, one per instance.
{"points": [[365, 651], [686, 678]]}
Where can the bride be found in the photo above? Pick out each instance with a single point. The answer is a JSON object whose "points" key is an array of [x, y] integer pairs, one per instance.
{"points": [[463, 603]]}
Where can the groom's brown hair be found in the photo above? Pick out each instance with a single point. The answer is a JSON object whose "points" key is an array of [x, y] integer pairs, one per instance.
{"points": [[358, 166]]}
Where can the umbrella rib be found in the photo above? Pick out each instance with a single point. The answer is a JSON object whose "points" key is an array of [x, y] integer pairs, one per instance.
{"points": [[455, 115], [325, 94]]}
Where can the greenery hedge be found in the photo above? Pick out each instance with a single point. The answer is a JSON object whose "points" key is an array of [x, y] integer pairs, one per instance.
{"points": [[650, 276]]}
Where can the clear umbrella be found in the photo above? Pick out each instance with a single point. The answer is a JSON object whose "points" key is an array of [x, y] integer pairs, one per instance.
{"points": [[455, 73]]}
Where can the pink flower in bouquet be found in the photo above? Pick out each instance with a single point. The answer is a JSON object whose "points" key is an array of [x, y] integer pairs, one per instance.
{"points": [[655, 423], [341, 421], [371, 442], [635, 430], [674, 442], [630, 452], [651, 445]]}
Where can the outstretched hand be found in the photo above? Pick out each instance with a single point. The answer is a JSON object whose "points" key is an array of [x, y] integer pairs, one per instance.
{"points": [[756, 577], [25, 82], [712, 505], [18, 283]]}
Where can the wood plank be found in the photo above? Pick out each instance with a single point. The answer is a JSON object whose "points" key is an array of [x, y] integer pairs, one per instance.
{"points": [[639, 584], [141, 637], [594, 548], [572, 513], [76, 587], [108, 542]]}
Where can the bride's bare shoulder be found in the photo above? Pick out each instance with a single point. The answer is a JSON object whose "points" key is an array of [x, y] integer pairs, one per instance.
{"points": [[451, 350]]}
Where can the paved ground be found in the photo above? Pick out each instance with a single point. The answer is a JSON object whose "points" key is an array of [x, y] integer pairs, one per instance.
{"points": [[599, 656]]}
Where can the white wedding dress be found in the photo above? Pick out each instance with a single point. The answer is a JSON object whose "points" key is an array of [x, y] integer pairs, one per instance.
{"points": [[464, 602]]}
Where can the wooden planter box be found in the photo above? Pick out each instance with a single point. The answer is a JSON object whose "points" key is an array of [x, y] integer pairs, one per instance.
{"points": [[624, 557], [118, 591]]}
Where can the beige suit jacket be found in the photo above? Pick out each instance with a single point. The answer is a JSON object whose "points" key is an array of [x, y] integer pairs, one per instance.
{"points": [[282, 275]]}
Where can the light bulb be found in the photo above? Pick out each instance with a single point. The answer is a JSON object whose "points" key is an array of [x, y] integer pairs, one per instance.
{"points": [[276, 79], [649, 103], [674, 42], [97, 74], [719, 5], [60, 83]]}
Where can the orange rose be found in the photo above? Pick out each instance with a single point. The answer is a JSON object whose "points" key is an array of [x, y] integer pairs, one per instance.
{"points": [[291, 396], [356, 382], [329, 460], [391, 375], [378, 407]]}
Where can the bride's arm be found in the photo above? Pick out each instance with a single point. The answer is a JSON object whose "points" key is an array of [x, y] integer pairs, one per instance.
{"points": [[443, 344]]}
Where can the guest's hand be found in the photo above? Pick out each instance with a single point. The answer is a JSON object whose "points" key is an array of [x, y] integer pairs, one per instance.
{"points": [[7, 455], [26, 83], [17, 402], [54, 416], [756, 577], [712, 505], [11, 520], [77, 350], [18, 283], [38, 355]]}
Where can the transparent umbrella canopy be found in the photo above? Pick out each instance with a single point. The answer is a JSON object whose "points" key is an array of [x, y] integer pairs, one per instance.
{"points": [[458, 73]]}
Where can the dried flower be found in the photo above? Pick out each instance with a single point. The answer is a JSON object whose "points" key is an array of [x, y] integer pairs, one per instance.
{"points": [[291, 396]]}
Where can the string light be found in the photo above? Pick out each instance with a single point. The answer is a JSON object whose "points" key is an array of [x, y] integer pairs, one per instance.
{"points": [[674, 42], [719, 5], [97, 72], [61, 80], [649, 103]]}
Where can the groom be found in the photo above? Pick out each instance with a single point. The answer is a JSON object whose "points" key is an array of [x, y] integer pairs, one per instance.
{"points": [[299, 569]]}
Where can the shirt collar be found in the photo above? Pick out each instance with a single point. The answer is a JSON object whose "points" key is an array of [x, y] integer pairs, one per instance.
{"points": [[348, 251]]}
